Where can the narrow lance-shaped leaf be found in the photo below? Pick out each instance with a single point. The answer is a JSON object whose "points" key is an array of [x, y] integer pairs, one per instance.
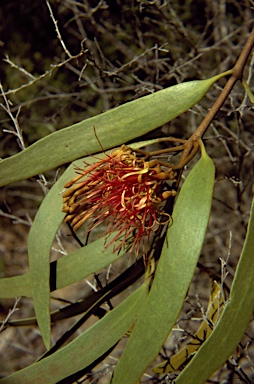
{"points": [[86, 348], [69, 269], [214, 309], [41, 236], [233, 322], [113, 128], [173, 274], [73, 267], [16, 286]]}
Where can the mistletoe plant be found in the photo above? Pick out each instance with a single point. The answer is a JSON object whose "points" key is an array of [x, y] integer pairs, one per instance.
{"points": [[132, 192]]}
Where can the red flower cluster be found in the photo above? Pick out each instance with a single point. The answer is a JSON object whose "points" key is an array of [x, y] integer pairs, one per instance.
{"points": [[123, 191]]}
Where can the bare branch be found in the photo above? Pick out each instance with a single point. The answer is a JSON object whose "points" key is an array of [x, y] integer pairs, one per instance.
{"points": [[17, 219], [243, 105], [18, 130], [47, 73], [23, 70], [10, 313], [57, 31]]}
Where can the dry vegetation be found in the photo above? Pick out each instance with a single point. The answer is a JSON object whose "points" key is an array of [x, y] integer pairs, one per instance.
{"points": [[104, 54]]}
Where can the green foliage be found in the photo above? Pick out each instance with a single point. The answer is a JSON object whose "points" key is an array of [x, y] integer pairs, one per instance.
{"points": [[177, 264], [122, 61], [234, 319], [175, 268], [87, 347], [112, 128]]}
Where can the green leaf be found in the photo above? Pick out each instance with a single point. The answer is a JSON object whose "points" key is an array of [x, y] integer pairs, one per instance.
{"points": [[173, 274], [81, 263], [233, 321], [75, 266], [16, 286], [113, 128], [69, 269], [86, 348], [41, 237]]}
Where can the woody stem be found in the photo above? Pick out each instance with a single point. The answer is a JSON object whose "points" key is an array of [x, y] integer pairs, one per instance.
{"points": [[191, 147]]}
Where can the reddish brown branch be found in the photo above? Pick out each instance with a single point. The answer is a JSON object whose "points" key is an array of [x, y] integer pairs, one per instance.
{"points": [[190, 147]]}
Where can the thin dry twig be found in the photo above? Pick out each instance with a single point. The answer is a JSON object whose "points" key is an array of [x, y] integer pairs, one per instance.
{"points": [[41, 77], [243, 105], [18, 130], [19, 68], [10, 313], [16, 219], [57, 31]]}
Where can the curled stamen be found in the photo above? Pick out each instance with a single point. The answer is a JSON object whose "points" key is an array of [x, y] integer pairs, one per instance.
{"points": [[122, 191]]}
